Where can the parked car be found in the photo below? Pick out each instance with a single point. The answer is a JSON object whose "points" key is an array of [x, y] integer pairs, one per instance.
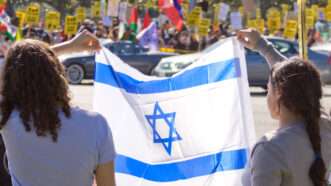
{"points": [[81, 66], [257, 67], [171, 65]]}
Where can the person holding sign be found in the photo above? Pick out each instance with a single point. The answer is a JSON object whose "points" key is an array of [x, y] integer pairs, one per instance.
{"points": [[48, 141], [299, 151]]}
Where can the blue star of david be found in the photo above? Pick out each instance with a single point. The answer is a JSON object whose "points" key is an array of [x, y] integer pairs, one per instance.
{"points": [[169, 119]]}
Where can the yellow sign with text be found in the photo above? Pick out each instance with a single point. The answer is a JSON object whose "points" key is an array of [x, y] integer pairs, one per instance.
{"points": [[52, 20], [33, 14], [285, 8], [291, 29], [71, 25], [310, 22], [80, 14], [204, 27], [258, 13], [274, 24], [251, 23], [96, 9], [260, 25], [21, 18], [194, 17], [315, 9]]}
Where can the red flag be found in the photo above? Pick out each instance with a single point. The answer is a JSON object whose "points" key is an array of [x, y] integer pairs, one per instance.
{"points": [[171, 12], [147, 20], [174, 17]]}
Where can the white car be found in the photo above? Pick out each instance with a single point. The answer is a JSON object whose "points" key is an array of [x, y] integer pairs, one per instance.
{"points": [[171, 65]]}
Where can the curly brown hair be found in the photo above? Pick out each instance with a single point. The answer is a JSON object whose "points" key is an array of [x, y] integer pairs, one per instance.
{"points": [[300, 89], [34, 84]]}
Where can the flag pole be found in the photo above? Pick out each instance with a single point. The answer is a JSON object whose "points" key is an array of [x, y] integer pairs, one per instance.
{"points": [[302, 29]]}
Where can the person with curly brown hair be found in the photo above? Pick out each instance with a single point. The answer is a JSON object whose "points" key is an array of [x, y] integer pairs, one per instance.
{"points": [[298, 153], [48, 141]]}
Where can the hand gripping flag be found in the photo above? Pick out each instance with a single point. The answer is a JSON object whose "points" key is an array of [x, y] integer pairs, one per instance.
{"points": [[192, 129]]}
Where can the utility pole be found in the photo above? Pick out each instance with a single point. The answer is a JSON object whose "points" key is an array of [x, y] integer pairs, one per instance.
{"points": [[302, 30]]}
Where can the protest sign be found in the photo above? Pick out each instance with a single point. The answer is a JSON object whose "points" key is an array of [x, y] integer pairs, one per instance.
{"points": [[123, 8], [194, 17], [96, 9], [21, 17], [113, 7], [291, 29], [204, 27], [224, 10], [33, 14], [52, 20], [80, 14], [71, 25], [236, 20]]}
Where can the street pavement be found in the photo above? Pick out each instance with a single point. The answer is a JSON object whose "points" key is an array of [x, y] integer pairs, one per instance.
{"points": [[83, 96]]}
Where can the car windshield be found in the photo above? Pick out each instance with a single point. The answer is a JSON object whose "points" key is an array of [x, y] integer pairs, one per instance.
{"points": [[282, 47], [181, 66], [166, 66]]}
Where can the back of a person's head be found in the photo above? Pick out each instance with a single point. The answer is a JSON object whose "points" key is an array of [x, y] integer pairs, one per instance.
{"points": [[300, 88], [34, 84]]}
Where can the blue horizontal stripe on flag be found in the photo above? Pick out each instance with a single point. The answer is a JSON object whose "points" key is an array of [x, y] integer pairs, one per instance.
{"points": [[207, 74], [201, 166]]}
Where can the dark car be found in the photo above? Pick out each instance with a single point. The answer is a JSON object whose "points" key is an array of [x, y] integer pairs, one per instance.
{"points": [[81, 66], [258, 69]]}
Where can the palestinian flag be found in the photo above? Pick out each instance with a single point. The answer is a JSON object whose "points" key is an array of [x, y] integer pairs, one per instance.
{"points": [[8, 31], [133, 22]]}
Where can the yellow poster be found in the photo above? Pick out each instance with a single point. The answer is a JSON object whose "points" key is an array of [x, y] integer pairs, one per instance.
{"points": [[327, 13], [273, 12], [33, 14], [260, 25], [315, 9], [251, 23], [241, 10], [274, 24], [285, 8], [52, 20], [71, 25], [309, 12], [291, 29], [310, 22], [185, 7], [258, 13], [194, 17], [80, 14], [96, 9], [21, 17], [204, 27]]}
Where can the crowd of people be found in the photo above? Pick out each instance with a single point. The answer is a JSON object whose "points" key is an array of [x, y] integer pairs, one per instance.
{"points": [[169, 36]]}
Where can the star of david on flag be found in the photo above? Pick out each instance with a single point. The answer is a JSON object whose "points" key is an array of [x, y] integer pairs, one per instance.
{"points": [[169, 119], [191, 129]]}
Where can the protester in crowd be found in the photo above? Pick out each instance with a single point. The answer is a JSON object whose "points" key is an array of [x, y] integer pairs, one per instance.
{"points": [[294, 94], [48, 141]]}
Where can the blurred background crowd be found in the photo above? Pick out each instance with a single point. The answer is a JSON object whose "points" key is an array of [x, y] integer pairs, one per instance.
{"points": [[181, 25]]}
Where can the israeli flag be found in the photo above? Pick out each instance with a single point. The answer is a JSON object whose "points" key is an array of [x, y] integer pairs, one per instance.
{"points": [[192, 129]]}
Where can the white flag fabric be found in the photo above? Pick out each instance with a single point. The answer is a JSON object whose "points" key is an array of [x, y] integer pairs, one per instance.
{"points": [[192, 129]]}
